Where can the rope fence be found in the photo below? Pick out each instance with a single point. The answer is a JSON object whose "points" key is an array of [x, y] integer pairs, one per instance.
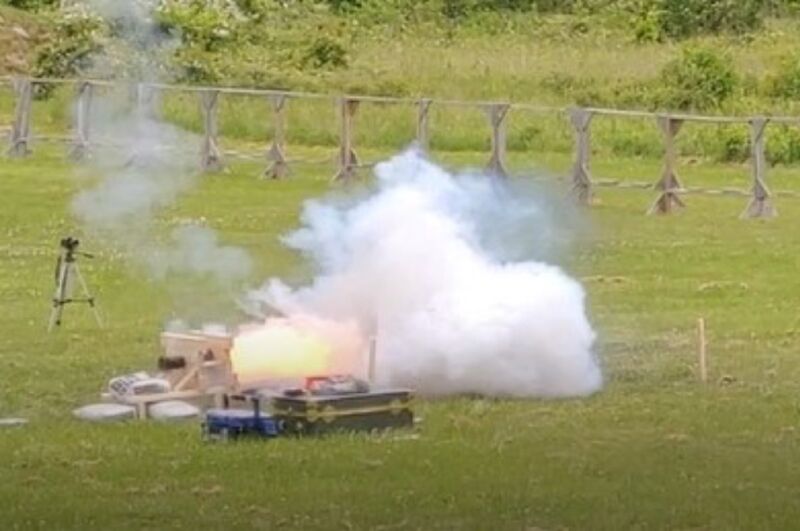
{"points": [[145, 98]]}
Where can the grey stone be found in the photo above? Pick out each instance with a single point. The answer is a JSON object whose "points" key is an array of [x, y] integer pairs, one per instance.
{"points": [[105, 412], [173, 410], [12, 422]]}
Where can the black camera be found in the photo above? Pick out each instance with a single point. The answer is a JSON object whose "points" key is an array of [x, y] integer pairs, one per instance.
{"points": [[70, 244]]}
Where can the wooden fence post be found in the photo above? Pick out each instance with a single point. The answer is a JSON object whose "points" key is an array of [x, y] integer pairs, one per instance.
{"points": [[348, 161], [278, 167], [83, 105], [423, 108], [581, 120], [19, 141], [497, 163], [211, 159], [760, 205], [144, 100], [669, 185]]}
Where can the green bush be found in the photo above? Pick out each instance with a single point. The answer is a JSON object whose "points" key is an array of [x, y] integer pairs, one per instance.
{"points": [[786, 83], [31, 5], [700, 79], [199, 26], [325, 52], [77, 39], [783, 144], [679, 19]]}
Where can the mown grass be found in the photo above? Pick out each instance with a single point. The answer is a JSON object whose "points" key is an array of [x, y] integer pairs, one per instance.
{"points": [[654, 450]]}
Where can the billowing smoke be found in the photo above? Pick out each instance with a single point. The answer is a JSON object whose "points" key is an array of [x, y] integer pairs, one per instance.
{"points": [[145, 165], [433, 264]]}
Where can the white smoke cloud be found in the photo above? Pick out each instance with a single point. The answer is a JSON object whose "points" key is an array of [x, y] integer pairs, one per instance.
{"points": [[418, 262], [146, 164]]}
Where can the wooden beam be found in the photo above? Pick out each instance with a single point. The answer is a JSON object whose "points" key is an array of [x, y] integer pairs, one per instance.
{"points": [[669, 185], [276, 155], [581, 120], [760, 205], [83, 105], [19, 141], [211, 158], [497, 113], [423, 115], [348, 160]]}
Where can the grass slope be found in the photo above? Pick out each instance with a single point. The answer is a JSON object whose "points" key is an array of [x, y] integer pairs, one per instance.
{"points": [[653, 450]]}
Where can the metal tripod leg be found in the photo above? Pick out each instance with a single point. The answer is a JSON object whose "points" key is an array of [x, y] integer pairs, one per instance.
{"points": [[59, 296], [88, 295], [63, 296]]}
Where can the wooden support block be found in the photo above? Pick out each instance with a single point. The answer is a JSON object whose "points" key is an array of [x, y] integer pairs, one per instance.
{"points": [[423, 140], [19, 140], [83, 104], [348, 161], [211, 158], [760, 205], [581, 120], [278, 167], [497, 113], [669, 185]]}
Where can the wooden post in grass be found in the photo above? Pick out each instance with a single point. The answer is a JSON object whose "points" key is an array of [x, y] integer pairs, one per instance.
{"points": [[669, 185], [348, 161], [211, 159], [581, 120], [760, 205], [423, 108], [278, 167], [701, 344], [83, 105], [21, 128], [497, 113]]}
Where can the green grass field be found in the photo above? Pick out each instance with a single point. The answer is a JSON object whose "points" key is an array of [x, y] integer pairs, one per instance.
{"points": [[654, 450]]}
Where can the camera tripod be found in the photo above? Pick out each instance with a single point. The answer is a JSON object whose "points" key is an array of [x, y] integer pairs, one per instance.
{"points": [[66, 269]]}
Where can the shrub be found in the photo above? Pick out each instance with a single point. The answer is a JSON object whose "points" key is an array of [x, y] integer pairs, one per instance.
{"points": [[679, 19], [78, 37], [700, 79], [31, 5], [200, 26], [786, 83], [325, 52]]}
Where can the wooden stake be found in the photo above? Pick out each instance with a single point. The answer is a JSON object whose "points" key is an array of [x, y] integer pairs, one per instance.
{"points": [[701, 336]]}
